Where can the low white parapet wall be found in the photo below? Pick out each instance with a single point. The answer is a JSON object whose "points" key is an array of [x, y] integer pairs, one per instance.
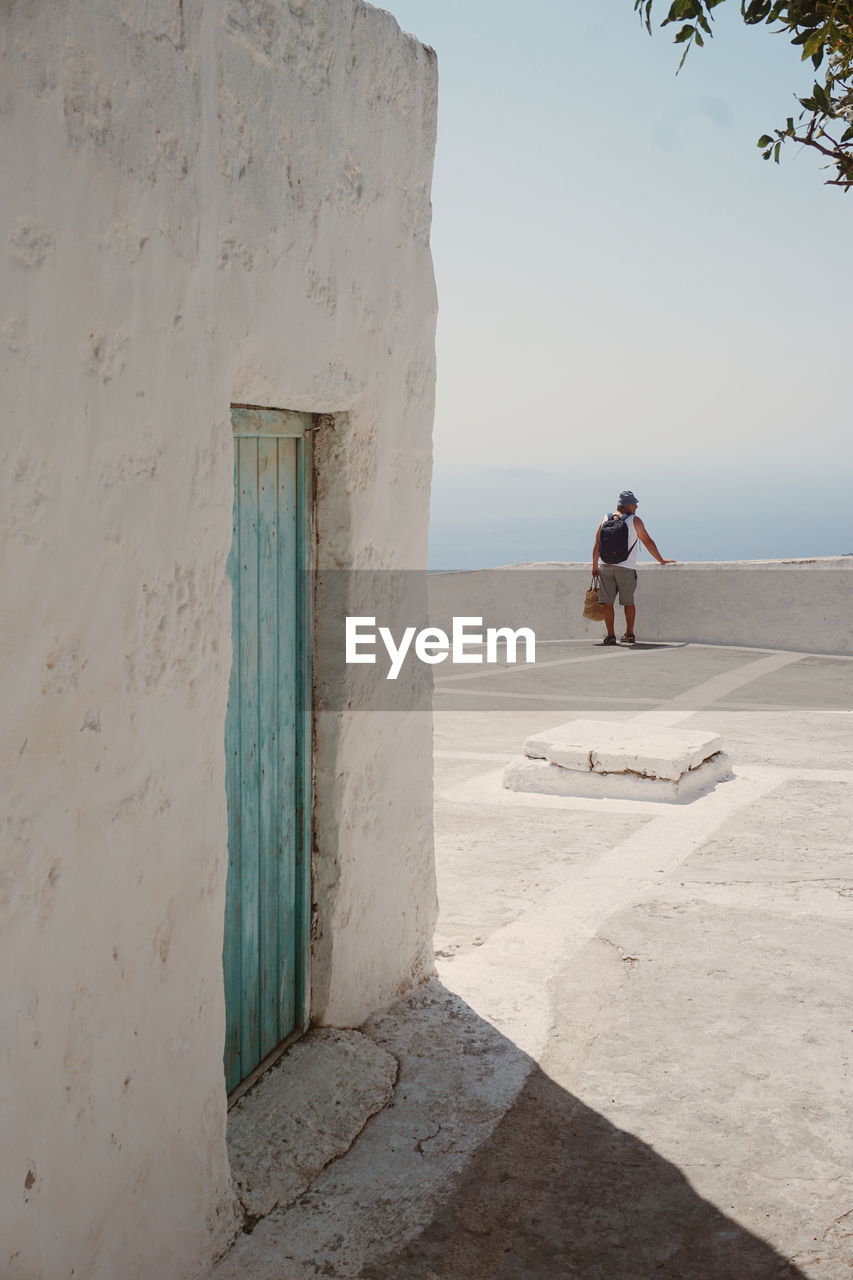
{"points": [[798, 605]]}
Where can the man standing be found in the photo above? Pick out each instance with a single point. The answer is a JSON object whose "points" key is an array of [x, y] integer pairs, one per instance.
{"points": [[616, 540]]}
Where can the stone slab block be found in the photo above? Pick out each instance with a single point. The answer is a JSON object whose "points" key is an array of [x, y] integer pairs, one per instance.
{"points": [[602, 747], [524, 774]]}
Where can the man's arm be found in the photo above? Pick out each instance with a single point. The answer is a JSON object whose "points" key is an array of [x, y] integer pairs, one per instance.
{"points": [[649, 542], [595, 551]]}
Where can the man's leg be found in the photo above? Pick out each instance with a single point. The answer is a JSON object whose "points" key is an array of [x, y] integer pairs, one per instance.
{"points": [[627, 580], [607, 599]]}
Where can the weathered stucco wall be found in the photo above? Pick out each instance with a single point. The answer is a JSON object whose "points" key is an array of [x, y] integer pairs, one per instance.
{"points": [[801, 605], [204, 202]]}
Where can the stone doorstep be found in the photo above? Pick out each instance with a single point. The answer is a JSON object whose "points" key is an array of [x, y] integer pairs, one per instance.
{"points": [[602, 747], [544, 778], [305, 1112]]}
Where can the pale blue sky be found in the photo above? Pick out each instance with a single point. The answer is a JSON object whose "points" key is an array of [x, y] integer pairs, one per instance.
{"points": [[628, 294]]}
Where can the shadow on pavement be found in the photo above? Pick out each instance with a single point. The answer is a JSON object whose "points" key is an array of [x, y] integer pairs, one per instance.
{"points": [[642, 644], [559, 1193], [648, 644], [482, 1168]]}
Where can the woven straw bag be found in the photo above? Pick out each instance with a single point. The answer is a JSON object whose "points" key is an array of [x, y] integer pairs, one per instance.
{"points": [[592, 609]]}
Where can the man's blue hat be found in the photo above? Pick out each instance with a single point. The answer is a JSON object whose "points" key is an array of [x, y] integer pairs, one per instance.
{"points": [[626, 498]]}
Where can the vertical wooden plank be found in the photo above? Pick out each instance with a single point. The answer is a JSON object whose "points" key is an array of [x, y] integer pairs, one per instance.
{"points": [[231, 958], [249, 746], [304, 723], [288, 633], [270, 810]]}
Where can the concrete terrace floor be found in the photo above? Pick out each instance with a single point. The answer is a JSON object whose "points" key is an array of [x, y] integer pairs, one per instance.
{"points": [[635, 1060]]}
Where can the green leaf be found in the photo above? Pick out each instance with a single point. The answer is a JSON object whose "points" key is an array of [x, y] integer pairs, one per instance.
{"points": [[684, 34], [644, 9], [765, 140], [681, 9], [678, 9], [776, 150], [757, 11], [813, 43]]}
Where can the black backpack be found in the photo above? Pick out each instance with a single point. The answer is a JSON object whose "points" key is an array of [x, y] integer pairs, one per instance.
{"points": [[613, 540]]}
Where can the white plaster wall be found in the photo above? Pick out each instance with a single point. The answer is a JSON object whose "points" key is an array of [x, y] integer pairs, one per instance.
{"points": [[800, 605], [203, 202]]}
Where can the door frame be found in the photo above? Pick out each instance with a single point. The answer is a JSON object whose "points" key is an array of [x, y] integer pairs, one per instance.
{"points": [[251, 422]]}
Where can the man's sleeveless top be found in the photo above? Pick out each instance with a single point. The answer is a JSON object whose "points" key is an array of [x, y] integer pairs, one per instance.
{"points": [[631, 558]]}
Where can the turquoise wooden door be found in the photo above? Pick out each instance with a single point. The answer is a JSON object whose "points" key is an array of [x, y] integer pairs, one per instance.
{"points": [[268, 740]]}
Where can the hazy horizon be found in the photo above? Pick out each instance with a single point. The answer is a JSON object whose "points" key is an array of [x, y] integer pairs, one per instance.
{"points": [[501, 516]]}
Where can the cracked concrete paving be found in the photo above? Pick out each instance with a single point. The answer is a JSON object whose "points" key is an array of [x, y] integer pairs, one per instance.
{"points": [[636, 1059], [304, 1113]]}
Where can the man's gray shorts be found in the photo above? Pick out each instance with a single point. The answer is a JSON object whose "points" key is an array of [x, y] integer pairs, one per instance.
{"points": [[613, 578]]}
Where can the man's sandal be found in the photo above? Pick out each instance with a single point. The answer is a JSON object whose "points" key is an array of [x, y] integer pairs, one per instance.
{"points": [[609, 640], [628, 638]]}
